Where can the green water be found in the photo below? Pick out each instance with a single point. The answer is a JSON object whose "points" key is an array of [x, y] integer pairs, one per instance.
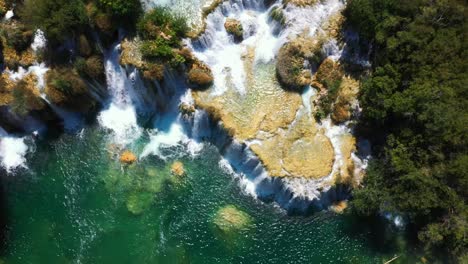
{"points": [[75, 204]]}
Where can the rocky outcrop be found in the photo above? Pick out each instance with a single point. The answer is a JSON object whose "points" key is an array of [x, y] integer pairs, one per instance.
{"points": [[234, 27], [292, 59], [65, 88], [290, 144], [200, 76]]}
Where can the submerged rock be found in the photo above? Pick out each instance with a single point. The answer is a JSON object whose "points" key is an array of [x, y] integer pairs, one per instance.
{"points": [[230, 220], [128, 157], [138, 202], [177, 168], [234, 27]]}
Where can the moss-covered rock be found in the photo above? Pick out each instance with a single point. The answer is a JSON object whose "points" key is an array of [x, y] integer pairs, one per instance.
{"points": [[65, 88], [230, 220], [200, 76], [234, 27], [292, 58], [22, 96], [290, 67], [154, 71], [276, 14], [92, 67], [84, 47], [3, 8], [26, 96], [187, 109], [139, 201]]}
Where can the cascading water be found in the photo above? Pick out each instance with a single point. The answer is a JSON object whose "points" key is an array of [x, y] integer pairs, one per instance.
{"points": [[226, 59], [120, 116]]}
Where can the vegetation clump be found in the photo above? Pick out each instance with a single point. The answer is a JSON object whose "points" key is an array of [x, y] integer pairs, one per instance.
{"points": [[161, 32], [65, 88], [414, 104]]}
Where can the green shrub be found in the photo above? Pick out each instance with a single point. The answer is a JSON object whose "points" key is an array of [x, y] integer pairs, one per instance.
{"points": [[17, 36], [59, 19], [161, 21], [121, 8], [158, 48], [414, 107]]}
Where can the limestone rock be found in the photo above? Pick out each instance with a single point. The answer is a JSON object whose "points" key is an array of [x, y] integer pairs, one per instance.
{"points": [[200, 76], [234, 27], [131, 54], [230, 220], [187, 109], [291, 59]]}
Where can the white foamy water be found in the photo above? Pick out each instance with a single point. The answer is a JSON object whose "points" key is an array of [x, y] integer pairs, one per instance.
{"points": [[13, 152], [120, 117], [9, 14], [39, 41]]}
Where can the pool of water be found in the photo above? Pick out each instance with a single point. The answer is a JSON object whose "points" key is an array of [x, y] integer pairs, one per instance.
{"points": [[76, 204]]}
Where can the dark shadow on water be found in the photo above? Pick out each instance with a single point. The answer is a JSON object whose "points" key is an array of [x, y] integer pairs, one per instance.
{"points": [[3, 214]]}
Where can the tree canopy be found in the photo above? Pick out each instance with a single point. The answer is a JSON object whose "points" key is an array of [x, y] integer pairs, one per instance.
{"points": [[415, 105]]}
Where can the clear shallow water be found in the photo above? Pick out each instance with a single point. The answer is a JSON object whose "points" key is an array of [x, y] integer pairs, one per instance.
{"points": [[72, 206]]}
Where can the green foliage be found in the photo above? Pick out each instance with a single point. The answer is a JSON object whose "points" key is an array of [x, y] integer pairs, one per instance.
{"points": [[121, 8], [63, 85], [326, 102], [161, 32], [160, 21], [17, 36], [57, 18], [158, 48], [417, 98]]}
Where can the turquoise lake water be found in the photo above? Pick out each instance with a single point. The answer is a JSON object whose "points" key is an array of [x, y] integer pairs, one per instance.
{"points": [[76, 204]]}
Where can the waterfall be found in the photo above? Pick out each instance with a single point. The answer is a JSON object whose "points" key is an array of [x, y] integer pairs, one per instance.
{"points": [[120, 116]]}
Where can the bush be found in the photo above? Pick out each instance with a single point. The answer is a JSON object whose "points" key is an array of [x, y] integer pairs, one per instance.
{"points": [[58, 19], [91, 67], [65, 88], [17, 36], [160, 22], [121, 8], [415, 104], [156, 49]]}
